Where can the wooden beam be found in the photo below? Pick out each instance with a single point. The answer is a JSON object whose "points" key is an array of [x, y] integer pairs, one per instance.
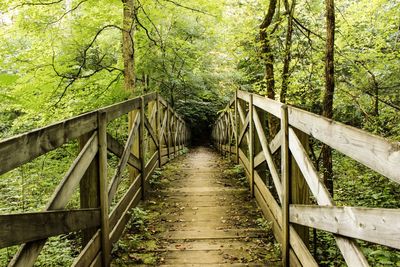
{"points": [[28, 252], [23, 148], [21, 228], [271, 106], [244, 129], [380, 226], [123, 203], [349, 248], [150, 131], [117, 149], [285, 190], [89, 252], [373, 151], [142, 147], [117, 110], [123, 160], [89, 188], [268, 155], [105, 228]]}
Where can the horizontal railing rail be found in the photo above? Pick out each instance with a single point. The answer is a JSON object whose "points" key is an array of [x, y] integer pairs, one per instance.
{"points": [[240, 131], [159, 133]]}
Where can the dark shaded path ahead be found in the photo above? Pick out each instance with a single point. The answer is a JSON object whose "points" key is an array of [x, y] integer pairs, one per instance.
{"points": [[200, 213]]}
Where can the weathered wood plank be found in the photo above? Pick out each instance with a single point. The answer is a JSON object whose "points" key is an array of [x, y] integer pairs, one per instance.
{"points": [[142, 147], [243, 95], [149, 97], [123, 203], [298, 246], [105, 228], [23, 148], [28, 252], [375, 225], [271, 106], [244, 159], [373, 151], [21, 228], [274, 145], [123, 220], [117, 110], [268, 154], [150, 164], [65, 189], [245, 127], [90, 185], [89, 252], [150, 131], [117, 149], [285, 189], [306, 166], [123, 160], [348, 247]]}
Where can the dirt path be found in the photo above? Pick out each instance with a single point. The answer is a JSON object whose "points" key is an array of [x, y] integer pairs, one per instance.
{"points": [[199, 214]]}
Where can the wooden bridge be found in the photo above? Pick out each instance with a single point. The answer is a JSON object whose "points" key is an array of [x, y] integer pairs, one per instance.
{"points": [[157, 134]]}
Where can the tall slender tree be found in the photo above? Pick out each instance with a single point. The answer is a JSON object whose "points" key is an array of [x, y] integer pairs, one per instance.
{"points": [[329, 89], [268, 58]]}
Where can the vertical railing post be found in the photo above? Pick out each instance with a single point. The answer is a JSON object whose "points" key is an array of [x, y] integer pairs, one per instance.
{"points": [[236, 127], [158, 126], [141, 148], [285, 185], [175, 128], [229, 134], [102, 136], [251, 145], [89, 188], [168, 131]]}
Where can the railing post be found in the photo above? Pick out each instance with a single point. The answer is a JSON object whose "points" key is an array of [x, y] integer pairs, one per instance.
{"points": [[285, 185], [158, 126], [89, 188], [229, 133], [175, 128], [105, 228], [168, 131], [141, 148], [236, 127], [251, 145]]}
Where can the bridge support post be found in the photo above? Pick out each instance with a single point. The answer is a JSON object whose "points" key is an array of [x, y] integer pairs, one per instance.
{"points": [[105, 231], [141, 148], [285, 186], [236, 129], [168, 129], [300, 194], [251, 145], [89, 189], [158, 129]]}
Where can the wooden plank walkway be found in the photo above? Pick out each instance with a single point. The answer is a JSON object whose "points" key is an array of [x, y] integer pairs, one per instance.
{"points": [[200, 214]]}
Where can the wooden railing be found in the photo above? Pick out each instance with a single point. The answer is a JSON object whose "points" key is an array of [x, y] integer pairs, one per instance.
{"points": [[152, 117], [240, 132]]}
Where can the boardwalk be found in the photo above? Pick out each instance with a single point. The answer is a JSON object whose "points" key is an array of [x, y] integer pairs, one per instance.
{"points": [[202, 216]]}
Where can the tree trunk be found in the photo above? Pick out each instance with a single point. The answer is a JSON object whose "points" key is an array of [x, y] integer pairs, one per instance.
{"points": [[128, 52], [268, 58], [128, 49], [329, 89], [288, 47]]}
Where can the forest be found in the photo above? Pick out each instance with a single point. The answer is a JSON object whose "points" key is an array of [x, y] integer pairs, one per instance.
{"points": [[336, 58]]}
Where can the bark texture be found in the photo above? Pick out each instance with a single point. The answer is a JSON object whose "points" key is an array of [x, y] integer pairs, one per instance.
{"points": [[329, 89]]}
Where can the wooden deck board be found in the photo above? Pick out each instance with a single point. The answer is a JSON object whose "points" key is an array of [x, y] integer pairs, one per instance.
{"points": [[207, 218]]}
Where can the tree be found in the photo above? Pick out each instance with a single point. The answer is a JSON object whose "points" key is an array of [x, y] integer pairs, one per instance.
{"points": [[329, 89]]}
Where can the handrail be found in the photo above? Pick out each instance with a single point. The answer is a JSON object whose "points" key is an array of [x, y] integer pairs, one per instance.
{"points": [[163, 126], [240, 125]]}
